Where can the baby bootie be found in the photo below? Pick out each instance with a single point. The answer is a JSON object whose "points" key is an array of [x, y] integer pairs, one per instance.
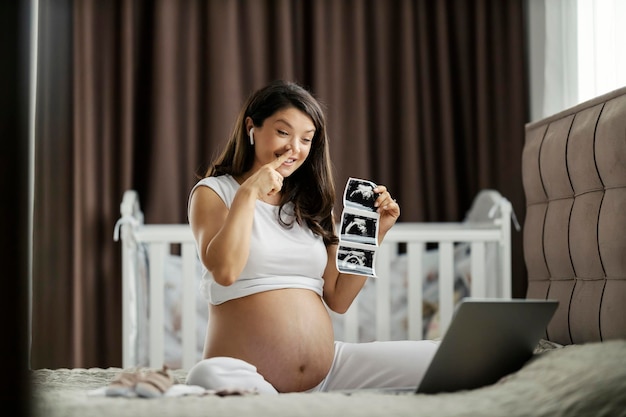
{"points": [[123, 385], [154, 383]]}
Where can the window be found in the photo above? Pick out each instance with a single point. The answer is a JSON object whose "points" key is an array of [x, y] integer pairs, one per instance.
{"points": [[577, 51]]}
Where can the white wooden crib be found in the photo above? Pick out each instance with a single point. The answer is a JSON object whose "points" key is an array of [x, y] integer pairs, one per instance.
{"points": [[488, 225]]}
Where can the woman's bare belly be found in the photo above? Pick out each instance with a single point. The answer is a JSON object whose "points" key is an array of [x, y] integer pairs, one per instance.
{"points": [[287, 334]]}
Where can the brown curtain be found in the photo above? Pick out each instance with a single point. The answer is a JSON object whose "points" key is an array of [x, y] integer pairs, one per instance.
{"points": [[427, 97]]}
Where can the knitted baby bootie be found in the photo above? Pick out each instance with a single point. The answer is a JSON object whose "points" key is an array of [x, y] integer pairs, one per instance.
{"points": [[123, 385], [154, 383]]}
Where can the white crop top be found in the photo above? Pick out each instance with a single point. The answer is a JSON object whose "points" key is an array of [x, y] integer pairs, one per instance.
{"points": [[279, 257]]}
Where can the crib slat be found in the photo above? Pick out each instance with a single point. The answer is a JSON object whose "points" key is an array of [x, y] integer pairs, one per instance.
{"points": [[446, 284], [504, 250], [478, 270], [415, 268], [131, 217], [383, 292], [189, 305], [351, 322], [129, 301], [157, 304]]}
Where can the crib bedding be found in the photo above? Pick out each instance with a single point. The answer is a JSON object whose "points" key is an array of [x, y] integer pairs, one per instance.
{"points": [[573, 380]]}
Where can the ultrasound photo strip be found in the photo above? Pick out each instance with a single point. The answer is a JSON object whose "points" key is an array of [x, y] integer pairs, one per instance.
{"points": [[358, 235]]}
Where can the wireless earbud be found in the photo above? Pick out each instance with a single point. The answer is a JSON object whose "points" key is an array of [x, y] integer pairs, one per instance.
{"points": [[252, 136]]}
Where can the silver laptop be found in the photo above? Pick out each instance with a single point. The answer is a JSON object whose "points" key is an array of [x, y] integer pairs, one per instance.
{"points": [[486, 340]]}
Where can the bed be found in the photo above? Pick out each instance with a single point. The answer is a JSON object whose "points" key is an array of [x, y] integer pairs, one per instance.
{"points": [[574, 179]]}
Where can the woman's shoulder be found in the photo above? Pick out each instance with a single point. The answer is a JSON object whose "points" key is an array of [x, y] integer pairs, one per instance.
{"points": [[221, 180], [224, 186]]}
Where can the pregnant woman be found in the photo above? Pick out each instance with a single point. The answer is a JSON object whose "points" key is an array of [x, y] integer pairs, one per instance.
{"points": [[265, 233]]}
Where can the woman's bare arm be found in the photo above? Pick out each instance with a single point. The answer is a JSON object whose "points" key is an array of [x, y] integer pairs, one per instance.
{"points": [[341, 289], [222, 235]]}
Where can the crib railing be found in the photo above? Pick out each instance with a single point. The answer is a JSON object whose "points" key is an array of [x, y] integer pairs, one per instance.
{"points": [[416, 237], [159, 239]]}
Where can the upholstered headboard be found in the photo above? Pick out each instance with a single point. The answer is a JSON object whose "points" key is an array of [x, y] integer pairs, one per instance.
{"points": [[574, 177]]}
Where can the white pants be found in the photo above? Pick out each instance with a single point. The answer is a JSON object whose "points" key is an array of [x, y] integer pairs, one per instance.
{"points": [[393, 364]]}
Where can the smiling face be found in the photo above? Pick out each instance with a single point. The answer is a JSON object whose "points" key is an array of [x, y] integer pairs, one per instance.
{"points": [[288, 128]]}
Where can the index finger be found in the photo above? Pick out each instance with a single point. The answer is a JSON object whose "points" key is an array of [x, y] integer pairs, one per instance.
{"points": [[279, 161]]}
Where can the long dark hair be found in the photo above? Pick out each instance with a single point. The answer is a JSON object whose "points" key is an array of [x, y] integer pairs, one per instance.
{"points": [[311, 188]]}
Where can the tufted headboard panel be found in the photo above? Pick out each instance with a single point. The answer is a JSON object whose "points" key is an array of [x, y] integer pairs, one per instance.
{"points": [[574, 241]]}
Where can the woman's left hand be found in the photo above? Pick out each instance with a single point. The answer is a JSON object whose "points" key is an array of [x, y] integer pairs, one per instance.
{"points": [[388, 209]]}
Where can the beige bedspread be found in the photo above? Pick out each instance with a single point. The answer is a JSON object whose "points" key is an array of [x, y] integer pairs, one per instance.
{"points": [[579, 380]]}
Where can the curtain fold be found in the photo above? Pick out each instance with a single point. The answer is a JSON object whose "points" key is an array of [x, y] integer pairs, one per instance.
{"points": [[52, 274], [426, 97]]}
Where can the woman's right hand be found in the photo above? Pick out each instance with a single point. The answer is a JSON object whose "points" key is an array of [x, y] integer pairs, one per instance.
{"points": [[267, 180]]}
